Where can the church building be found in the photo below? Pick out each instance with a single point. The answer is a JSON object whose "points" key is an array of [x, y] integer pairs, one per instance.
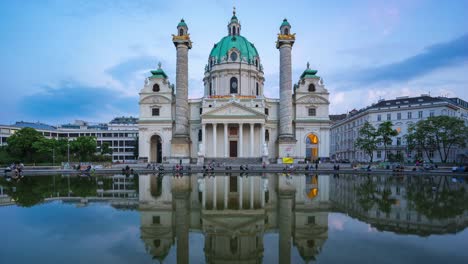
{"points": [[234, 119]]}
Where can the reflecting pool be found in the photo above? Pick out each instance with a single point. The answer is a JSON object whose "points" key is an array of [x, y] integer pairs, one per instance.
{"points": [[232, 218]]}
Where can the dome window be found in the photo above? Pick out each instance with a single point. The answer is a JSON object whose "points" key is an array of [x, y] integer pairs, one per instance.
{"points": [[286, 31], [311, 87], [156, 88], [233, 85], [181, 32], [233, 56]]}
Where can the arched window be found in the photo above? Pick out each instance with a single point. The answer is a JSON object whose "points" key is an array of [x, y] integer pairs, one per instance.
{"points": [[200, 136], [156, 87], [233, 30], [286, 31], [267, 135], [230, 33], [233, 56], [257, 92], [181, 32], [233, 85], [256, 63], [311, 87]]}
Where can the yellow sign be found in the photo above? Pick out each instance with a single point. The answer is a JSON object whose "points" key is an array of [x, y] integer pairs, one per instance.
{"points": [[288, 160]]}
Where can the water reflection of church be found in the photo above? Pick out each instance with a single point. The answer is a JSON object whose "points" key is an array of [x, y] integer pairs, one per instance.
{"points": [[234, 213]]}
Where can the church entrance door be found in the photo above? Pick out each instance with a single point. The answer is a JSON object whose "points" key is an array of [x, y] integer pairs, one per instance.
{"points": [[156, 149], [233, 149]]}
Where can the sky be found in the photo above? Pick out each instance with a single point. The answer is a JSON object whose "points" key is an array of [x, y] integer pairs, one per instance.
{"points": [[63, 60]]}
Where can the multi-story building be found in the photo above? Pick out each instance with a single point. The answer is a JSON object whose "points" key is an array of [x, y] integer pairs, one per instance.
{"points": [[402, 112], [121, 134]]}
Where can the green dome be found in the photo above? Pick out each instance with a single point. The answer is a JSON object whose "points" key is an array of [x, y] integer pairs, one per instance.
{"points": [[247, 50], [182, 23], [285, 23]]}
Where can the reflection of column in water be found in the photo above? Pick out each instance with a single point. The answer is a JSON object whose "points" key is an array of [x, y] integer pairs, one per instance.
{"points": [[181, 193], [285, 196]]}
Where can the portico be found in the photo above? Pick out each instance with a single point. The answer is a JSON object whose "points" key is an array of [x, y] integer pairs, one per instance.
{"points": [[228, 139]]}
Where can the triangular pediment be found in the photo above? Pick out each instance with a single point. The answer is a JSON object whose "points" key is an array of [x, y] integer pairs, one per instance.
{"points": [[233, 110], [312, 99]]}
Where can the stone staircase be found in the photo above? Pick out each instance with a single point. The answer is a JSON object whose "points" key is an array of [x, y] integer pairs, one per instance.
{"points": [[234, 161]]}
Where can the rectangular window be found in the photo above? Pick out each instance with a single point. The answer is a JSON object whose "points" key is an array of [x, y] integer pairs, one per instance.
{"points": [[398, 116], [379, 117], [398, 141], [155, 111], [410, 115], [312, 112], [267, 111], [156, 219], [389, 117], [379, 154], [431, 114], [420, 114], [311, 220], [431, 154], [201, 111]]}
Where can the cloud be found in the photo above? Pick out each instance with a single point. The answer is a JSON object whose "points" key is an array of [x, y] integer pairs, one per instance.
{"points": [[434, 57], [71, 100], [125, 71]]}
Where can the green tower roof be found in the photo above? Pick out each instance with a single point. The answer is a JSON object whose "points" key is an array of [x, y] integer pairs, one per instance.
{"points": [[309, 73], [247, 49], [182, 23], [285, 23], [159, 73]]}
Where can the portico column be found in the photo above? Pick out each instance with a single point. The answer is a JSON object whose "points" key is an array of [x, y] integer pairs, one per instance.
{"points": [[240, 139], [225, 140], [214, 139], [252, 139], [204, 138]]}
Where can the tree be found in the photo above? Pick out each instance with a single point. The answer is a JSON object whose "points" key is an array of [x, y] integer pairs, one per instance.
{"points": [[20, 144], [367, 140], [420, 137], [84, 147], [385, 132], [441, 133], [105, 148]]}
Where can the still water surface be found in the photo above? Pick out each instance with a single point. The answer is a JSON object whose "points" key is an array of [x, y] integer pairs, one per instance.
{"points": [[251, 219]]}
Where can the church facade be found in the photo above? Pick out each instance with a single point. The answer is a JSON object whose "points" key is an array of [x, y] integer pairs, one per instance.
{"points": [[233, 119]]}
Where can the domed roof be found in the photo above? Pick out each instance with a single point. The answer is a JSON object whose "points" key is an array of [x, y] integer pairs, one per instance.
{"points": [[247, 49], [285, 23], [182, 23]]}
